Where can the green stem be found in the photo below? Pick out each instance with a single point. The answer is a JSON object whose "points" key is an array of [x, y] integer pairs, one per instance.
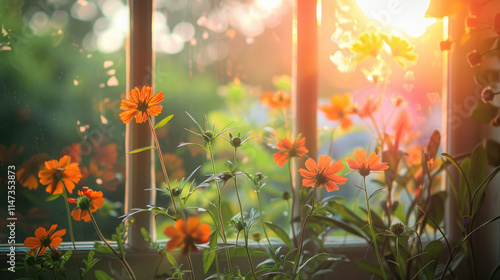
{"points": [[219, 210], [191, 266], [245, 232], [292, 215], [303, 230], [70, 225], [398, 258], [372, 231], [262, 220], [165, 174], [120, 257]]}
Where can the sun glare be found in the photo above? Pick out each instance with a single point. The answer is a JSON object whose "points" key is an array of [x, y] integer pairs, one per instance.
{"points": [[409, 16]]}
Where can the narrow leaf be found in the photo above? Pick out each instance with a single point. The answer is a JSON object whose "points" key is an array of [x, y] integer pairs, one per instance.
{"points": [[53, 197], [141, 149], [163, 122], [280, 233]]}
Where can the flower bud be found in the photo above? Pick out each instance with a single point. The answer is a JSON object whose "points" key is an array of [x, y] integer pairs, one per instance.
{"points": [[474, 58], [286, 195], [176, 191], [496, 121], [84, 203], [207, 136], [487, 94], [256, 236], [397, 229]]}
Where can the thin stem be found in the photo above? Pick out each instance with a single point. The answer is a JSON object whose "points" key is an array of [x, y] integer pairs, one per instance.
{"points": [[262, 220], [245, 232], [120, 257], [158, 265], [165, 174], [191, 266], [292, 215], [398, 257], [219, 210], [303, 230], [372, 231], [68, 215]]}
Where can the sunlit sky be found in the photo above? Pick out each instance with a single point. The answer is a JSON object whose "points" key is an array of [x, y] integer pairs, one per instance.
{"points": [[408, 15]]}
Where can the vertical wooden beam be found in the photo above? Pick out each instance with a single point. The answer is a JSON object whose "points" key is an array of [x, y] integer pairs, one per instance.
{"points": [[140, 166], [305, 72]]}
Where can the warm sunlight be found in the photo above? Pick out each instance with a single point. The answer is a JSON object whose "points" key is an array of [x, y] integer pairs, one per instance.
{"points": [[409, 16]]}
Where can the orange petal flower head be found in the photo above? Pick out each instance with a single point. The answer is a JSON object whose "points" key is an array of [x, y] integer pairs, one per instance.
{"points": [[44, 239], [141, 103], [89, 200], [289, 150], [323, 174], [365, 165], [187, 234], [370, 106], [339, 109], [58, 174], [280, 99]]}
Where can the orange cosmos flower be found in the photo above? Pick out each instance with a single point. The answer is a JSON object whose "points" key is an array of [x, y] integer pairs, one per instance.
{"points": [[44, 239], [323, 174], [187, 234], [370, 106], [89, 200], [363, 165], [58, 174], [141, 104], [289, 150], [339, 109], [280, 99]]}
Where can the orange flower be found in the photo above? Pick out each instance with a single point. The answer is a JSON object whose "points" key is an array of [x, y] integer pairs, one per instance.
{"points": [[59, 173], [187, 234], [44, 239], [27, 174], [323, 174], [141, 104], [289, 150], [369, 107], [88, 200], [339, 109], [280, 99], [363, 165]]}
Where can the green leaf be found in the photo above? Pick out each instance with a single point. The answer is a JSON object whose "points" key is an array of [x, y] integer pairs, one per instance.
{"points": [[370, 268], [477, 170], [101, 275], [53, 197], [433, 145], [436, 209], [171, 260], [484, 112], [209, 253], [494, 272], [101, 248], [492, 151], [280, 233], [163, 122], [432, 254], [377, 191], [337, 223], [141, 149]]}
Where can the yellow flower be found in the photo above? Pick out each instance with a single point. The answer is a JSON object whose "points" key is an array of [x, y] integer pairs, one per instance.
{"points": [[369, 44], [401, 49]]}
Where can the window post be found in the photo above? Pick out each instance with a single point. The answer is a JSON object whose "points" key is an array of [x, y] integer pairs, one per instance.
{"points": [[139, 167]]}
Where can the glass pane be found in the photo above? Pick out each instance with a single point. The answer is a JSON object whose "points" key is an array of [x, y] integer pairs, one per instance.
{"points": [[381, 77], [226, 63], [62, 66]]}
